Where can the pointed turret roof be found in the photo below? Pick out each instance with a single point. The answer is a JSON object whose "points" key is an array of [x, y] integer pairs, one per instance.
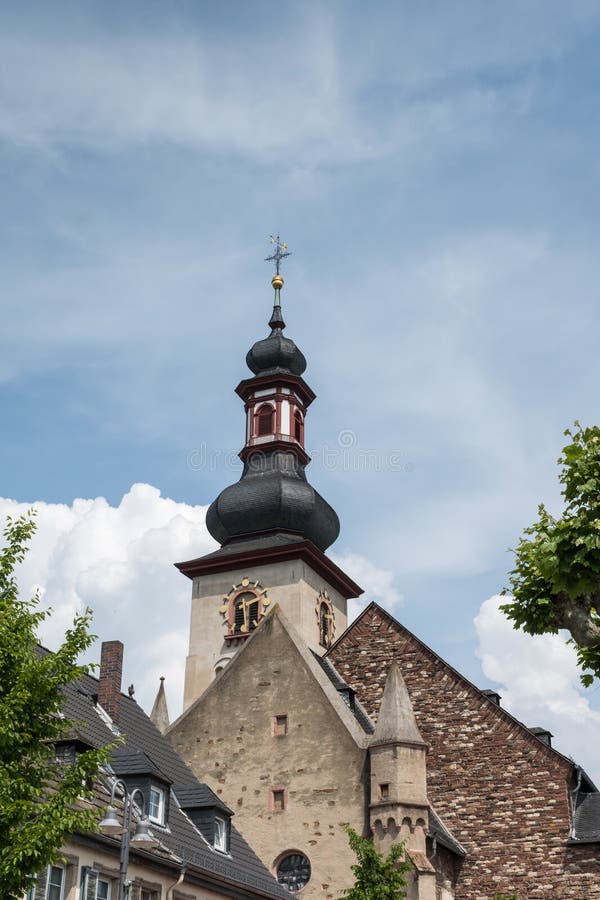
{"points": [[160, 713], [396, 722]]}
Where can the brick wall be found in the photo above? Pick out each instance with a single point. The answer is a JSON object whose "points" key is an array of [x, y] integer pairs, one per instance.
{"points": [[500, 790], [109, 681]]}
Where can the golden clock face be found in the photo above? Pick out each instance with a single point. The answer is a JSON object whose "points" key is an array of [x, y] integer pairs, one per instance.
{"points": [[243, 607]]}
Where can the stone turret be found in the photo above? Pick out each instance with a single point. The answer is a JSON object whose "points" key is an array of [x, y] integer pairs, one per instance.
{"points": [[399, 808], [160, 712]]}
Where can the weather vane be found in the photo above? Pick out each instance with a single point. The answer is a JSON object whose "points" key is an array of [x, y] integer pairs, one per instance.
{"points": [[281, 251]]}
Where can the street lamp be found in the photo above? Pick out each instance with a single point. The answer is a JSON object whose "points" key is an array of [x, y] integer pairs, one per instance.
{"points": [[142, 838]]}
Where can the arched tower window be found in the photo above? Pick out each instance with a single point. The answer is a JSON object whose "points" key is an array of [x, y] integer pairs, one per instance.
{"points": [[325, 619], [324, 625], [298, 426], [265, 420], [246, 613]]}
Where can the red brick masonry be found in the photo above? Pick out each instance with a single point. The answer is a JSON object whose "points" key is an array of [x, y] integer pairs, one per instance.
{"points": [[501, 791]]}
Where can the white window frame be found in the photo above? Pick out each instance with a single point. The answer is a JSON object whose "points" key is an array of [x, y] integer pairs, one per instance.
{"points": [[220, 839], [107, 881], [160, 819], [62, 881]]}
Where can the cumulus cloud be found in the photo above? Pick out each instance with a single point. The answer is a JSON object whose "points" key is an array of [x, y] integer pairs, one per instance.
{"points": [[538, 679], [119, 562]]}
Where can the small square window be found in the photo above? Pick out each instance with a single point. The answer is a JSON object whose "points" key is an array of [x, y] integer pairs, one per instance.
{"points": [[156, 805], [56, 883], [220, 842], [384, 792], [278, 800], [280, 725]]}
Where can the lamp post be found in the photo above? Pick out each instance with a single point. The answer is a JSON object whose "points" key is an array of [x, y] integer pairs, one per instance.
{"points": [[142, 837]]}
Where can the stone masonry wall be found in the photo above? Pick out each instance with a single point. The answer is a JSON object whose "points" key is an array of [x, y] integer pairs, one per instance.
{"points": [[499, 789], [227, 737]]}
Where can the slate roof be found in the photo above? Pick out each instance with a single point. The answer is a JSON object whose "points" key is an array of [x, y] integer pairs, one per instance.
{"points": [[135, 762], [586, 819], [340, 685], [181, 840], [439, 832], [196, 794]]}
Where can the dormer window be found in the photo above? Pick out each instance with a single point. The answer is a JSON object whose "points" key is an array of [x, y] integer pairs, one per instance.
{"points": [[221, 834], [156, 805], [265, 418]]}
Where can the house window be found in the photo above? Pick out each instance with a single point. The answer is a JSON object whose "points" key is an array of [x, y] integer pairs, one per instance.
{"points": [[55, 885], [220, 842], [384, 792], [156, 805], [103, 889], [280, 726], [278, 799], [265, 419], [30, 895]]}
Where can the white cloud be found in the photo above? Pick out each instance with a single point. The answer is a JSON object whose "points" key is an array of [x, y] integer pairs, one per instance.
{"points": [[219, 94], [119, 562], [538, 680]]}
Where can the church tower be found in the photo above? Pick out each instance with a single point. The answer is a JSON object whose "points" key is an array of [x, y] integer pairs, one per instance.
{"points": [[272, 525]]}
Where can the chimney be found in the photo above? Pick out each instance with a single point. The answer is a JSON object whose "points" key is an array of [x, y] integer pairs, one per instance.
{"points": [[109, 687]]}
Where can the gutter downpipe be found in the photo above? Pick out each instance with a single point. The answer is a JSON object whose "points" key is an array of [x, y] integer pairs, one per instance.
{"points": [[175, 884]]}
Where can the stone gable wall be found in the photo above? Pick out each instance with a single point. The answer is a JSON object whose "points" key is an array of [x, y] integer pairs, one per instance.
{"points": [[228, 740], [501, 792]]}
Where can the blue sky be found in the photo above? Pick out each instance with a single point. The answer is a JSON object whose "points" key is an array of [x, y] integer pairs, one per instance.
{"points": [[434, 168]]}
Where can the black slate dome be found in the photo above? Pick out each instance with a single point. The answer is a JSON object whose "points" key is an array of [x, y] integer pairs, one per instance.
{"points": [[275, 353], [273, 495]]}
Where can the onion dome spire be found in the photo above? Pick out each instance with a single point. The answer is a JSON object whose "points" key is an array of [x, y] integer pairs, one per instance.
{"points": [[273, 496]]}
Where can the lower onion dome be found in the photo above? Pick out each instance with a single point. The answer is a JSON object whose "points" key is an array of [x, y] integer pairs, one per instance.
{"points": [[273, 495]]}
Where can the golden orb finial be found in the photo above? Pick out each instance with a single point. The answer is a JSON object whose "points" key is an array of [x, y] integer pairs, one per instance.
{"points": [[277, 282]]}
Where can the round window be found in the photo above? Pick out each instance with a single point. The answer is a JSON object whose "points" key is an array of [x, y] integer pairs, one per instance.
{"points": [[293, 871]]}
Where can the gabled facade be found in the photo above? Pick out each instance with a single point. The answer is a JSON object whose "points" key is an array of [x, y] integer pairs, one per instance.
{"points": [[512, 802]]}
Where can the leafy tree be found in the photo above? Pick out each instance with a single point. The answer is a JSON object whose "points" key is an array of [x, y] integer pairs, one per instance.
{"points": [[556, 580], [40, 798], [377, 877]]}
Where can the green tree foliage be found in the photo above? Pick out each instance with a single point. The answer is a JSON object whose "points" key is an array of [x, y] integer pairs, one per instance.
{"points": [[40, 799], [556, 580], [377, 877]]}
